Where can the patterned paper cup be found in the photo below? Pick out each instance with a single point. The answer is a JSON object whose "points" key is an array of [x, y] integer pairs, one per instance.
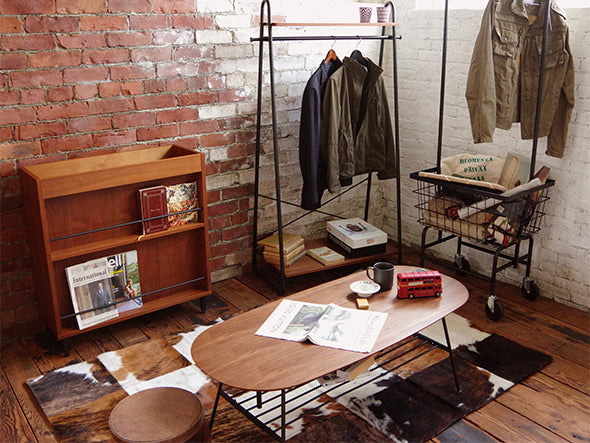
{"points": [[382, 14], [365, 14]]}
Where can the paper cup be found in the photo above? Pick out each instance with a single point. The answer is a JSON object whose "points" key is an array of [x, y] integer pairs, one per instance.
{"points": [[382, 14], [365, 14]]}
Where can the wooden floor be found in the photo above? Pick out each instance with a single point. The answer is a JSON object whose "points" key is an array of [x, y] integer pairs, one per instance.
{"points": [[552, 406]]}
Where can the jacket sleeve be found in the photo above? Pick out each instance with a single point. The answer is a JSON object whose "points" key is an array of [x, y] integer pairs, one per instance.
{"points": [[309, 147], [558, 133], [481, 87], [329, 135]]}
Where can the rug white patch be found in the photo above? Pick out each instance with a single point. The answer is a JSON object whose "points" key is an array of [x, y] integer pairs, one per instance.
{"points": [[184, 345], [189, 378], [461, 332]]}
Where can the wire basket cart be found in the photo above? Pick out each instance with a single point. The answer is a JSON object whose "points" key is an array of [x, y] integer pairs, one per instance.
{"points": [[483, 219], [481, 216]]}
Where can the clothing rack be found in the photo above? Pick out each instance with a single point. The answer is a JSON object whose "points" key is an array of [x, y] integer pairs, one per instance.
{"points": [[266, 36], [429, 188]]}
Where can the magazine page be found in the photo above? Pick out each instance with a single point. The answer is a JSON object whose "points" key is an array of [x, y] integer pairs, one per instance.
{"points": [[291, 320], [349, 329], [90, 288], [124, 269]]}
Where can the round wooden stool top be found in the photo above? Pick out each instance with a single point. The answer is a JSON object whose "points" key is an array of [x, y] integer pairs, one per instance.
{"points": [[157, 415]]}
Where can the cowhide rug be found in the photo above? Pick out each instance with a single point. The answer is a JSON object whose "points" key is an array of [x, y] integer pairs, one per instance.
{"points": [[412, 403]]}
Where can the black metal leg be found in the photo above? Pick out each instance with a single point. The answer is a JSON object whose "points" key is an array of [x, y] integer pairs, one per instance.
{"points": [[450, 349], [258, 399], [423, 246], [214, 411], [283, 416]]}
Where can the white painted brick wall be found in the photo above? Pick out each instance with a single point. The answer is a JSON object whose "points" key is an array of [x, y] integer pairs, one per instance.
{"points": [[561, 258], [561, 254]]}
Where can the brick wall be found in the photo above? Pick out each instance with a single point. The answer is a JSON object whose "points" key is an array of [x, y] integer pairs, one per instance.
{"points": [[561, 258], [87, 77]]}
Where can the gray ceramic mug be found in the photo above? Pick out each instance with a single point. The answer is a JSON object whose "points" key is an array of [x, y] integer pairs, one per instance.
{"points": [[382, 274]]}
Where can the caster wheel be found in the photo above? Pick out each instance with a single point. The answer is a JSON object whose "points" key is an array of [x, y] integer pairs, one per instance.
{"points": [[494, 309], [530, 293], [462, 264]]}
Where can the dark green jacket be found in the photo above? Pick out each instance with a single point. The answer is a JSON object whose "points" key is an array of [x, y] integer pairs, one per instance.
{"points": [[504, 74], [356, 135]]}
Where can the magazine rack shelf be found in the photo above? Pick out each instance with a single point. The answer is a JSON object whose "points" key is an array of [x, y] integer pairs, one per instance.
{"points": [[82, 209], [308, 265]]}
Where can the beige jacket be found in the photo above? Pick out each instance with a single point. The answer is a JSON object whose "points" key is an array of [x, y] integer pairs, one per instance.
{"points": [[504, 74]]}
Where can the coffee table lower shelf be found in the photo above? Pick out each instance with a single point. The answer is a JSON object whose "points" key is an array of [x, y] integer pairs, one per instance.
{"points": [[276, 411]]}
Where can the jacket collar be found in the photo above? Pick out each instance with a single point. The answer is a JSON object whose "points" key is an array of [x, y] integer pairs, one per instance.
{"points": [[372, 71]]}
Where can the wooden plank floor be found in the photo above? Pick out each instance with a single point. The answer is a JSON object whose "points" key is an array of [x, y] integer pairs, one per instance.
{"points": [[552, 405]]}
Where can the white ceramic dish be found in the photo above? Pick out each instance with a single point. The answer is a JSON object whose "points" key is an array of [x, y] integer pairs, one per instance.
{"points": [[365, 288]]}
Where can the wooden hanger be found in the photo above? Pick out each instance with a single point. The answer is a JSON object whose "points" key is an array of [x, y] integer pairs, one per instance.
{"points": [[330, 56]]}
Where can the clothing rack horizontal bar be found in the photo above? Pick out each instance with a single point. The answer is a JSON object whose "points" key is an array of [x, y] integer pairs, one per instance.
{"points": [[299, 25], [325, 37]]}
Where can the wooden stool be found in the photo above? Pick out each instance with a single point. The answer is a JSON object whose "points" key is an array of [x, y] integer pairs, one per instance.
{"points": [[169, 415]]}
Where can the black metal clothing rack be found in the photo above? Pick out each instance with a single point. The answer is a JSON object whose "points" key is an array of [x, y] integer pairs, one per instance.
{"points": [[428, 188], [269, 38]]}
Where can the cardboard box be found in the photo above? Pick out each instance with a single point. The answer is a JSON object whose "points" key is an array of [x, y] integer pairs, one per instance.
{"points": [[356, 233]]}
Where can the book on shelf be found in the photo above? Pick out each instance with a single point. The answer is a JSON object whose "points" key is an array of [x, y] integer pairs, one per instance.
{"points": [[357, 252], [91, 290], [125, 284], [289, 258], [154, 209], [325, 255], [325, 325], [290, 242], [356, 233], [183, 203]]}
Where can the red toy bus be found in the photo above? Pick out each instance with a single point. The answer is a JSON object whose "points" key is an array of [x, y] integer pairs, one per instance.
{"points": [[419, 284]]}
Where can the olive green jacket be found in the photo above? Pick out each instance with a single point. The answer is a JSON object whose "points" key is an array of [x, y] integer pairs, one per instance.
{"points": [[504, 74], [356, 135]]}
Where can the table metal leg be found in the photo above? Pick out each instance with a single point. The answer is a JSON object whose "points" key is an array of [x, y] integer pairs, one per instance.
{"points": [[283, 416], [214, 411], [450, 349]]}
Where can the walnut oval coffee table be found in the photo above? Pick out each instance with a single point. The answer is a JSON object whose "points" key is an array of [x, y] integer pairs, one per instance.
{"points": [[231, 354]]}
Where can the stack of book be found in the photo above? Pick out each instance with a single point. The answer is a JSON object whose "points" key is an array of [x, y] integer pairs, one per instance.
{"points": [[293, 248]]}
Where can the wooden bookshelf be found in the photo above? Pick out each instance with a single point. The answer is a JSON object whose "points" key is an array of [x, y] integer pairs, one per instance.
{"points": [[86, 208]]}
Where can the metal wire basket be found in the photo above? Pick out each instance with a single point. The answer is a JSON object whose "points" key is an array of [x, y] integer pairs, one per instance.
{"points": [[479, 213]]}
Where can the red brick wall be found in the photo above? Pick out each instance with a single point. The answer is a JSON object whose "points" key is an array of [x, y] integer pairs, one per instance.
{"points": [[86, 77]]}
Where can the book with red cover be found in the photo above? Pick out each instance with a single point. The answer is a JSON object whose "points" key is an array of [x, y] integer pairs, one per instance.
{"points": [[153, 204]]}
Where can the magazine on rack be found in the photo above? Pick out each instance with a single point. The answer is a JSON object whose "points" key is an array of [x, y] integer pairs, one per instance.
{"points": [[90, 288], [125, 280], [325, 325]]}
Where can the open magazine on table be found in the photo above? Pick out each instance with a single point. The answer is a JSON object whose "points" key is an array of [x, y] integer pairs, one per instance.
{"points": [[325, 325]]}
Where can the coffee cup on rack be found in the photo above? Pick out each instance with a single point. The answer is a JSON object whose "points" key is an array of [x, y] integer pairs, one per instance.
{"points": [[382, 274]]}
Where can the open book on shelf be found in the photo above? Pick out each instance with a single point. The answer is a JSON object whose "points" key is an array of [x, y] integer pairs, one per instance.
{"points": [[325, 325]]}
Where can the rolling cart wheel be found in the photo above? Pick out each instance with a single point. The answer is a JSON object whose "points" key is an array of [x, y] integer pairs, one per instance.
{"points": [[494, 308], [529, 289], [462, 264]]}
